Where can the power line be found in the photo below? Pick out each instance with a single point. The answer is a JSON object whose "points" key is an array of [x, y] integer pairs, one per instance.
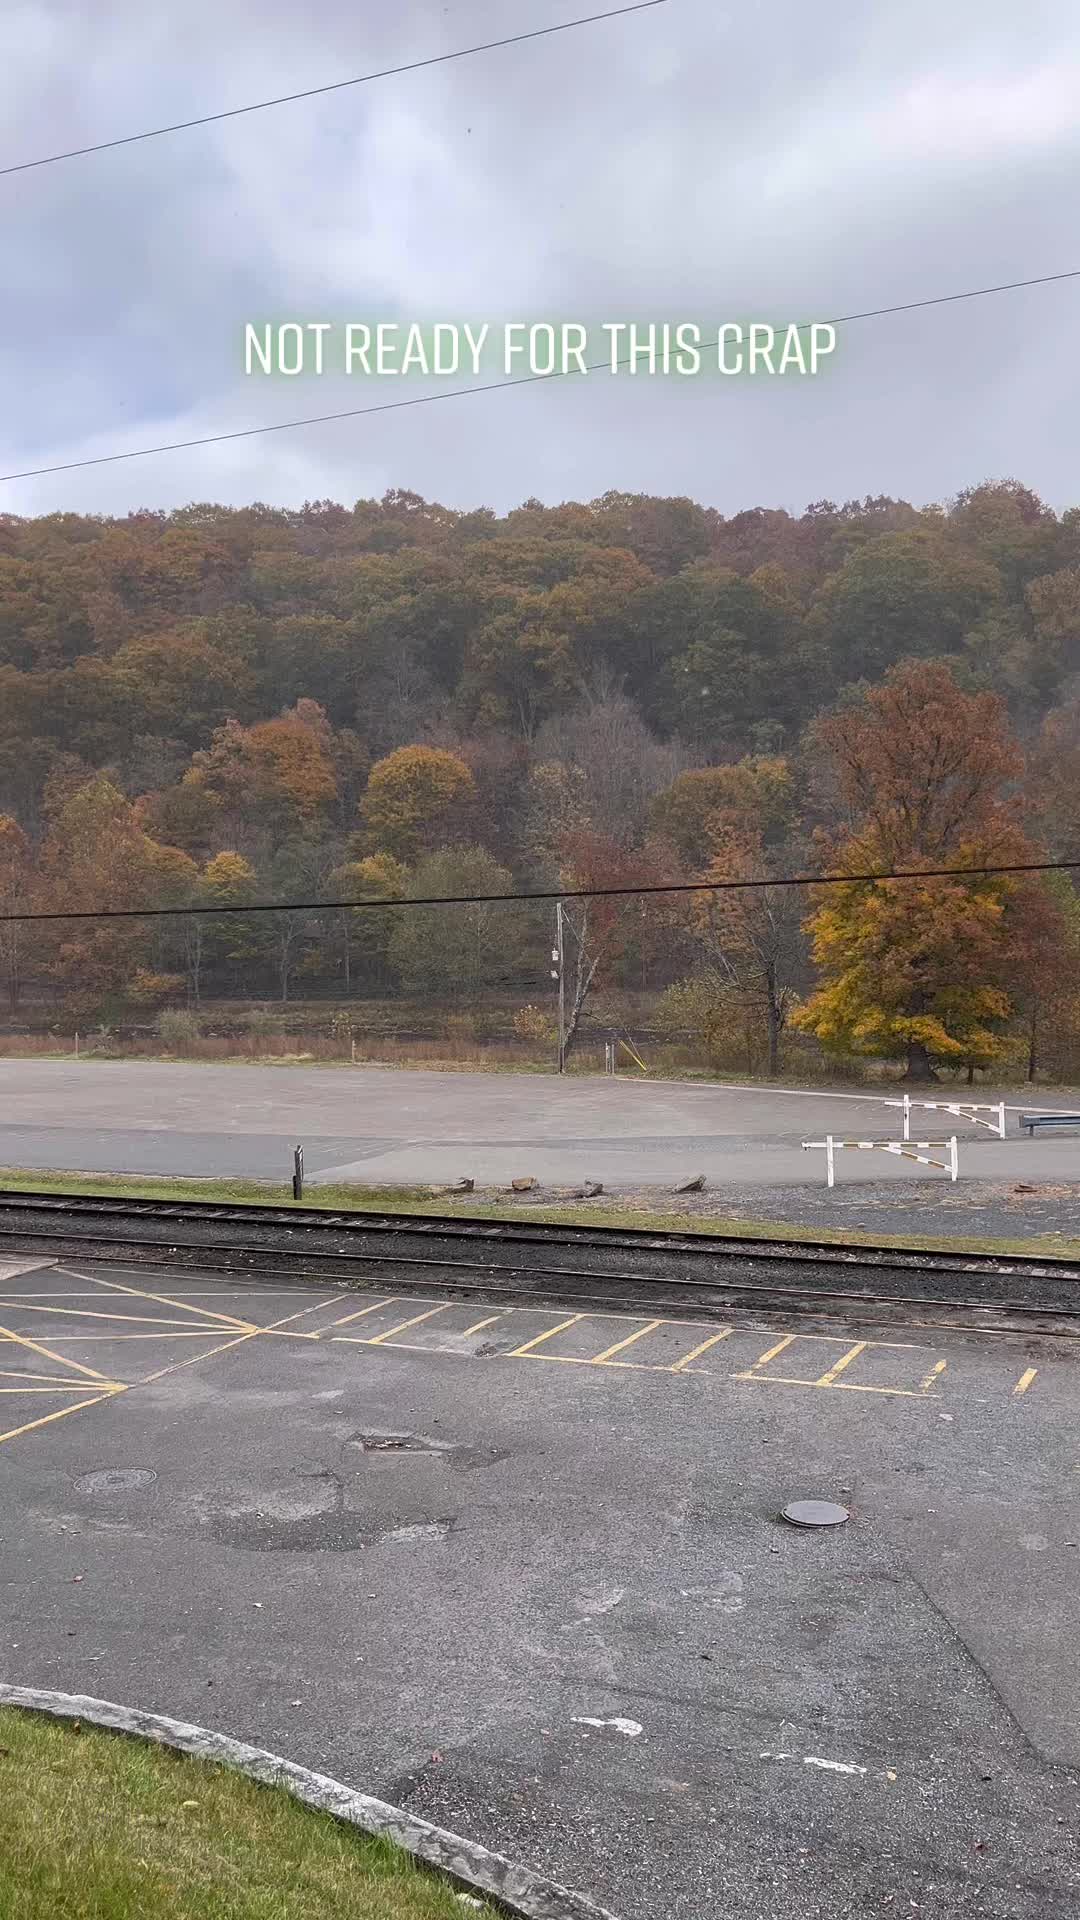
{"points": [[331, 86], [501, 386], [557, 893]]}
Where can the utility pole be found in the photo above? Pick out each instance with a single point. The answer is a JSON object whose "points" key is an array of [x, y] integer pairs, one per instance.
{"points": [[557, 973]]}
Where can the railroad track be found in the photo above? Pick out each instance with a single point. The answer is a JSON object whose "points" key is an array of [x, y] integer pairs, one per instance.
{"points": [[613, 1267]]}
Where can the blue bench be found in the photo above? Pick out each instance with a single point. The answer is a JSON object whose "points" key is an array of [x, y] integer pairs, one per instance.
{"points": [[1032, 1120]]}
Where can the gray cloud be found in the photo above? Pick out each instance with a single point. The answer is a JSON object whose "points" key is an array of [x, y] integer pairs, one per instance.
{"points": [[695, 160]]}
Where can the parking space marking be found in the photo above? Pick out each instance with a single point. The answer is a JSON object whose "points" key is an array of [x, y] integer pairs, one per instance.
{"points": [[347, 1318], [479, 1325], [611, 1340], [845, 1360], [649, 1327], [682, 1366], [519, 1353], [380, 1339]]}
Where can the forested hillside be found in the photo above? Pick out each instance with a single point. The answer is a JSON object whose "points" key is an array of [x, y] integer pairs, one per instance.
{"points": [[221, 705]]}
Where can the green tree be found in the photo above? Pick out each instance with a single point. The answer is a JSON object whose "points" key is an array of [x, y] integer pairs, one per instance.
{"points": [[456, 952]]}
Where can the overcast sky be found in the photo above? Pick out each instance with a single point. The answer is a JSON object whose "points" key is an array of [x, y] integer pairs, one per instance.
{"points": [[695, 161]]}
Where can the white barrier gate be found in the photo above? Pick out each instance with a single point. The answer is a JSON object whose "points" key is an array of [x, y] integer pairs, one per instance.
{"points": [[960, 1110], [903, 1152]]}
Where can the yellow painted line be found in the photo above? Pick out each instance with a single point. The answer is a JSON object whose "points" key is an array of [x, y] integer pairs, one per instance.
{"points": [[845, 1360], [59, 1379], [162, 1299], [380, 1339], [934, 1374], [347, 1317], [479, 1325], [60, 1414], [48, 1354], [1025, 1380], [518, 1352], [90, 1313], [576, 1360], [197, 1357], [713, 1341], [73, 1386], [649, 1327], [842, 1386], [300, 1314], [773, 1351], [281, 1333], [113, 1339]]}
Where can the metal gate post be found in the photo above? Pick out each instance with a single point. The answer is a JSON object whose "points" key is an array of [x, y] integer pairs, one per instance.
{"points": [[298, 1174]]}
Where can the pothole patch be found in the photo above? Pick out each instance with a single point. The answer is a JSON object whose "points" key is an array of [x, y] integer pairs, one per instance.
{"points": [[332, 1532], [419, 1531], [399, 1443], [421, 1446]]}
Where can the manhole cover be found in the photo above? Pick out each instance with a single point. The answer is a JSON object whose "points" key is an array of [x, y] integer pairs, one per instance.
{"points": [[814, 1513], [116, 1480]]}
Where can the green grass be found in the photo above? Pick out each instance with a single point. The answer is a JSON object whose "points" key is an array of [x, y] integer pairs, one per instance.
{"points": [[428, 1201], [98, 1826]]}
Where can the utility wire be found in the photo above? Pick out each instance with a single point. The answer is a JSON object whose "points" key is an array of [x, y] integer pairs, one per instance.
{"points": [[557, 893], [332, 86], [500, 386]]}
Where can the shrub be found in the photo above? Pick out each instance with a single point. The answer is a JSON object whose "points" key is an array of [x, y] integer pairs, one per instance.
{"points": [[178, 1030], [535, 1026]]}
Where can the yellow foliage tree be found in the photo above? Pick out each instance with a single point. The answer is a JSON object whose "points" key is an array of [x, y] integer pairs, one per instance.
{"points": [[413, 797]]}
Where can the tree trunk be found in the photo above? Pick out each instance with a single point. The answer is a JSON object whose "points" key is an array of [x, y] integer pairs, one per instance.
{"points": [[346, 954], [772, 1015], [918, 1064], [1033, 1042]]}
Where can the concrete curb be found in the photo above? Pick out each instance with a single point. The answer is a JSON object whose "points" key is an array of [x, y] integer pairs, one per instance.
{"points": [[514, 1888]]}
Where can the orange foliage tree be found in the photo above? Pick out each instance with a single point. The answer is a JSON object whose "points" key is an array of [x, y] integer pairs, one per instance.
{"points": [[923, 970]]}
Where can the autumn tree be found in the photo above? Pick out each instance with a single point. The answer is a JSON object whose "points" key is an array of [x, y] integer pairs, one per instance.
{"points": [[604, 930], [413, 798], [751, 934], [225, 881], [923, 970], [364, 933], [758, 791], [15, 890], [96, 857]]}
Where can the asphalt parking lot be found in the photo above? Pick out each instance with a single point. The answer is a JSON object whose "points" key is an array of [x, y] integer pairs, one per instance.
{"points": [[521, 1571], [383, 1125]]}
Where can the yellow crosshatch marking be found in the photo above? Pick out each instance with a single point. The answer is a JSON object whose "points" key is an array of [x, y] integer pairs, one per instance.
{"points": [[628, 1342]]}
